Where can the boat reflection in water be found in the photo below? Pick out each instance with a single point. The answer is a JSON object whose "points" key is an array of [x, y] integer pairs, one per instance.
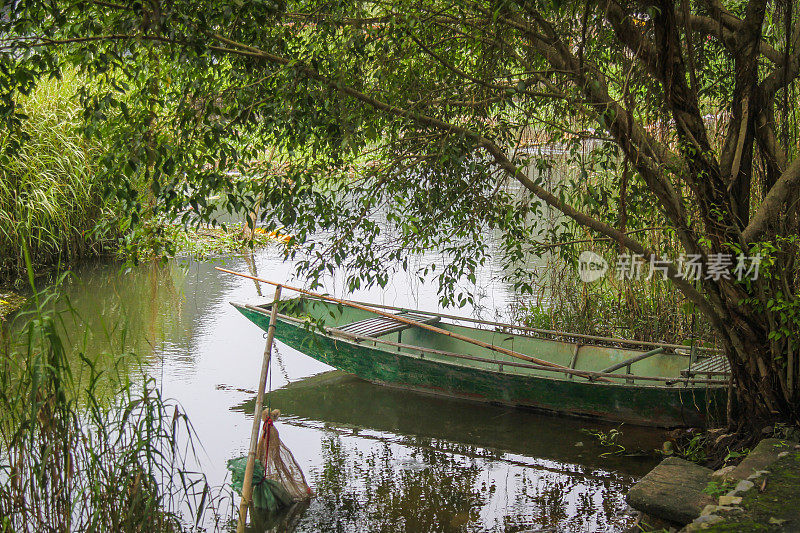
{"points": [[393, 460]]}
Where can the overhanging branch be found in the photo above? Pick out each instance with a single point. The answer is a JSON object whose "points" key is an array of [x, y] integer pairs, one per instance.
{"points": [[500, 159]]}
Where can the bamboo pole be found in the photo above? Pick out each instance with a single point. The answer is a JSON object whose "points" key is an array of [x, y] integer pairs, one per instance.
{"points": [[247, 487], [410, 322]]}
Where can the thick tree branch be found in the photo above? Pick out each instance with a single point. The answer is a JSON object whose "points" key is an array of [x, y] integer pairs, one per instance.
{"points": [[631, 35], [768, 212], [771, 149], [628, 133], [736, 157], [786, 73], [500, 159], [727, 36]]}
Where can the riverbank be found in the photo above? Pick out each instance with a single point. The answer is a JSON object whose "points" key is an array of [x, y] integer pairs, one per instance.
{"points": [[762, 493], [208, 241], [768, 499]]}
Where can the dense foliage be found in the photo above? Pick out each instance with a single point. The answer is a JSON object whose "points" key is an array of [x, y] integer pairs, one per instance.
{"points": [[318, 115], [50, 199]]}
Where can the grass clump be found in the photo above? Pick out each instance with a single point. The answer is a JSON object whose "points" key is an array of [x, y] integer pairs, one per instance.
{"points": [[50, 199], [85, 447]]}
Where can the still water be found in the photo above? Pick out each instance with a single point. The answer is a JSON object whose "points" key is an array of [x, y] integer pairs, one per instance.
{"points": [[378, 459]]}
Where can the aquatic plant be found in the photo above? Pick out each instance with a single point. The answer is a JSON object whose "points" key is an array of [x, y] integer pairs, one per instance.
{"points": [[608, 440], [90, 450], [207, 241]]}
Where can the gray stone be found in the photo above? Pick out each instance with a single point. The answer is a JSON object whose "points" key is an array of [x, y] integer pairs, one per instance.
{"points": [[709, 509], [673, 491], [744, 485], [722, 473], [708, 519], [730, 500]]}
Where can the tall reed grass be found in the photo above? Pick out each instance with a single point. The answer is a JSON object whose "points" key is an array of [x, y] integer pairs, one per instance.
{"points": [[92, 450], [651, 311], [638, 309], [50, 199]]}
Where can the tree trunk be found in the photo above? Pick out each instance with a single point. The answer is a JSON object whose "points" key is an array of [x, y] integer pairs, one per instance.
{"points": [[763, 367]]}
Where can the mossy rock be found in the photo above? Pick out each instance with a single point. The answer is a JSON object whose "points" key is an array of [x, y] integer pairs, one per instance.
{"points": [[673, 491]]}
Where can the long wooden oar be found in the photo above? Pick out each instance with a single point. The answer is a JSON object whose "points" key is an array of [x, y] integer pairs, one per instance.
{"points": [[247, 487], [410, 322]]}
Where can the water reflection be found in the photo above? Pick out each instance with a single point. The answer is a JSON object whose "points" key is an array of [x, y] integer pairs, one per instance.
{"points": [[430, 485], [113, 319], [337, 399], [394, 461], [379, 459], [427, 490]]}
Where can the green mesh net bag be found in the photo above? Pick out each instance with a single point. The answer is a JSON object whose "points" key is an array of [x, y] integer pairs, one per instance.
{"points": [[278, 480], [268, 494]]}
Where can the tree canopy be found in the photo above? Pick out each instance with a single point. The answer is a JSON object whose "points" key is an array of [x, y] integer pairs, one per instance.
{"points": [[425, 110]]}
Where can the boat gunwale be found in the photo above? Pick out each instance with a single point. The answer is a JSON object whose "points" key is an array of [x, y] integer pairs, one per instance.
{"points": [[344, 336], [616, 340]]}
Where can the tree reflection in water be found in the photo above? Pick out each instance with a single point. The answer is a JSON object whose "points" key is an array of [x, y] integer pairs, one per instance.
{"points": [[423, 484]]}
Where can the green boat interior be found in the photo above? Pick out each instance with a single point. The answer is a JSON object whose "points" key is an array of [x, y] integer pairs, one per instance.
{"points": [[670, 367]]}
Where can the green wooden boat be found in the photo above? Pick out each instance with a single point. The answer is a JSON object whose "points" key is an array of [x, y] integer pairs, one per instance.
{"points": [[662, 386]]}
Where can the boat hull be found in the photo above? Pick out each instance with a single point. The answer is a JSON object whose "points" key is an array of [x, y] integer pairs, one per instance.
{"points": [[661, 406]]}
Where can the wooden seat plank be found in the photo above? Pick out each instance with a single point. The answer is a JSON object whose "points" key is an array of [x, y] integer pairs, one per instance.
{"points": [[376, 327], [715, 365]]}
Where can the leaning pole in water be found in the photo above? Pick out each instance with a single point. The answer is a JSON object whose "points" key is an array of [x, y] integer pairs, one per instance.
{"points": [[247, 487]]}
